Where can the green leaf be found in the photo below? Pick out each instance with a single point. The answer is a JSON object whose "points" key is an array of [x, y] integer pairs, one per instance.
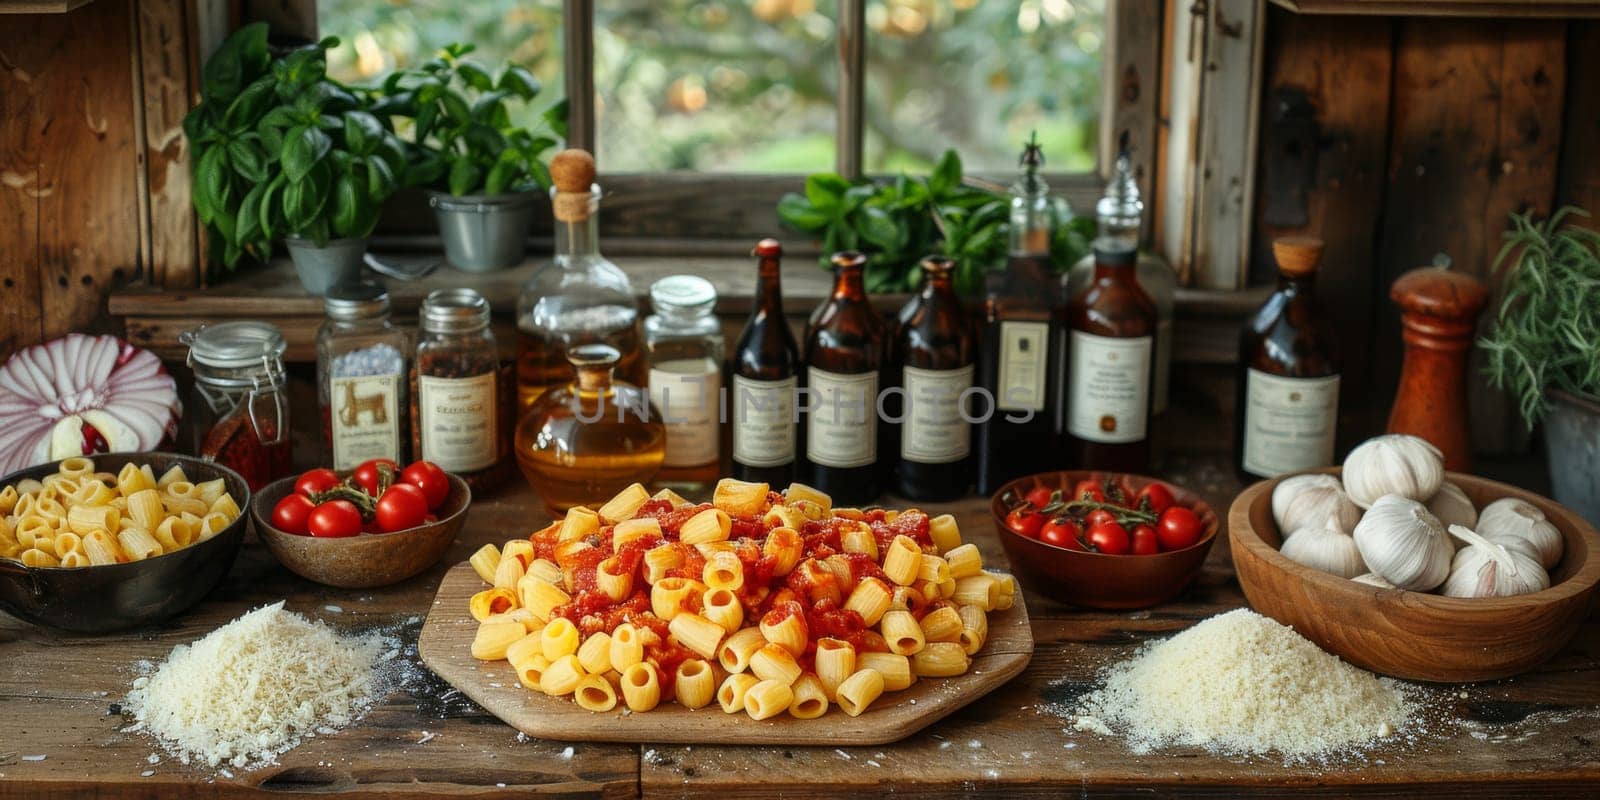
{"points": [[556, 118], [212, 178], [270, 211], [477, 77], [824, 189], [464, 177], [302, 149], [249, 106], [454, 107], [238, 61], [541, 174], [946, 174], [248, 160], [878, 228], [519, 81], [484, 140], [347, 200], [484, 108], [798, 213], [380, 179], [249, 226], [501, 175], [426, 119], [362, 132]]}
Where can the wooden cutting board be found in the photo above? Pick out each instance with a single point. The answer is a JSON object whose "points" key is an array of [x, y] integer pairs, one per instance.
{"points": [[445, 645]]}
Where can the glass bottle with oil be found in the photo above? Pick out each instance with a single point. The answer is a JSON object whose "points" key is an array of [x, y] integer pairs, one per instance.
{"points": [[684, 347]]}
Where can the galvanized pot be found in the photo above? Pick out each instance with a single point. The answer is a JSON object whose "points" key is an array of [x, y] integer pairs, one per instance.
{"points": [[322, 268], [1572, 447], [483, 232]]}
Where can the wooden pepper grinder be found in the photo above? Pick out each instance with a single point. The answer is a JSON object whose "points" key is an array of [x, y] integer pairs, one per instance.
{"points": [[1439, 310]]}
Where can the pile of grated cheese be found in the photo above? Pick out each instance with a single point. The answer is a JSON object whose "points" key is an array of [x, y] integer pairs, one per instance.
{"points": [[1240, 683], [256, 687]]}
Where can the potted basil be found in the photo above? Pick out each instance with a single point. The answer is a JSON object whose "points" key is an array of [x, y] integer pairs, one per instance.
{"points": [[281, 151], [484, 173], [1544, 347]]}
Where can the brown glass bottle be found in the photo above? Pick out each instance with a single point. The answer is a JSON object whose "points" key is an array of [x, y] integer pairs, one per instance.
{"points": [[933, 357], [1287, 412], [763, 372], [1110, 363], [844, 354]]}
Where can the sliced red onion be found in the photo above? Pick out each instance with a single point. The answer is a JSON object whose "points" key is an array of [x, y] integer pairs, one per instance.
{"points": [[79, 395]]}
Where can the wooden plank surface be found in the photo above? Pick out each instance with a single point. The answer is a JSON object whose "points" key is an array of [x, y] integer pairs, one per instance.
{"points": [[23, 57], [445, 645], [172, 256], [1580, 160]]}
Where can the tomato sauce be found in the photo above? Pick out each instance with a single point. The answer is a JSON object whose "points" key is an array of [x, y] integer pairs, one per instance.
{"points": [[910, 523]]}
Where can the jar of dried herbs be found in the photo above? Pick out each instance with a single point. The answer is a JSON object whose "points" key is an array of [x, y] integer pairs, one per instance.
{"points": [[361, 377], [457, 403]]}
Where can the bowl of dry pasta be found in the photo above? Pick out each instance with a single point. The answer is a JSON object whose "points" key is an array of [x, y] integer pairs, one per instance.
{"points": [[112, 541]]}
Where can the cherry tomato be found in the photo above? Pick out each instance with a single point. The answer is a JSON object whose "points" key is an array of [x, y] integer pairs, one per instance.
{"points": [[1178, 528], [1039, 496], [1098, 516], [1144, 541], [1090, 488], [427, 476], [1157, 496], [402, 506], [1061, 532], [335, 519], [290, 514], [315, 481], [367, 474], [1025, 521], [1109, 538]]}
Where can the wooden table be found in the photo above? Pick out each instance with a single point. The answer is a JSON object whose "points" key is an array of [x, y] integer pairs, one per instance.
{"points": [[1535, 735]]}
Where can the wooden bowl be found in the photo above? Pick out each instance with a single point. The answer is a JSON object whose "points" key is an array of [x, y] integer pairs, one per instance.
{"points": [[368, 560], [1098, 580], [1413, 635]]}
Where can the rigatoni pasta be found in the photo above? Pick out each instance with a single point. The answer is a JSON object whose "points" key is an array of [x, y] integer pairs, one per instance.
{"points": [[765, 603]]}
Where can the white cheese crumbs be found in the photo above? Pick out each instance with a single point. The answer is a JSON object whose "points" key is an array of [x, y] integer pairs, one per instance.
{"points": [[33, 758], [147, 773], [843, 754], [567, 754], [333, 609], [427, 736], [152, 759], [255, 687], [1242, 683]]}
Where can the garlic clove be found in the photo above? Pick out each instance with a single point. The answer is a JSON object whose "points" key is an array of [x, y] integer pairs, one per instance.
{"points": [[1488, 569], [1325, 548], [1510, 517], [1452, 507], [1315, 506], [1404, 544], [1291, 487], [1395, 463]]}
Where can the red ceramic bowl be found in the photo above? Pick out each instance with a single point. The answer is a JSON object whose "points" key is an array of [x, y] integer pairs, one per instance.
{"points": [[1097, 580]]}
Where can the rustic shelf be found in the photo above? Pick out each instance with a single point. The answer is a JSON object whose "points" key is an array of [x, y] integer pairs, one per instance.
{"points": [[1447, 8], [40, 6]]}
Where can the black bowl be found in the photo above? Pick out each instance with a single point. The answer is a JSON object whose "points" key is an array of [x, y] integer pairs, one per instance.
{"points": [[112, 597]]}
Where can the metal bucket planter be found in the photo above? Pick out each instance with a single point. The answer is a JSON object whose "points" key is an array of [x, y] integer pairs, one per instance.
{"points": [[322, 268], [1572, 447], [483, 232]]}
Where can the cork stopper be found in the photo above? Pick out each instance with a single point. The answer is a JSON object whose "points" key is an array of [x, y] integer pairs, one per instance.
{"points": [[1297, 256], [572, 171]]}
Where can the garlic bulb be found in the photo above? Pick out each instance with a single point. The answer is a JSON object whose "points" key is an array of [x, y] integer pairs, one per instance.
{"points": [[1451, 506], [1509, 518], [1393, 464], [1403, 544], [1326, 547], [1373, 580], [1311, 500], [1488, 569]]}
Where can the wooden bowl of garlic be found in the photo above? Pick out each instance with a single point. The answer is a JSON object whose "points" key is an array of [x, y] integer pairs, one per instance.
{"points": [[1415, 634]]}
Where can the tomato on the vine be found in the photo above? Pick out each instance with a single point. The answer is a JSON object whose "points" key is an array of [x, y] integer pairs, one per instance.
{"points": [[1089, 488], [1144, 541], [335, 519], [291, 513], [1179, 527], [402, 506], [1097, 517], [368, 474], [1157, 496], [427, 476], [1039, 496], [1110, 538], [1061, 532], [1025, 521], [316, 481]]}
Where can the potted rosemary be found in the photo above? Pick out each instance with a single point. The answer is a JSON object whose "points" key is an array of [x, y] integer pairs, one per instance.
{"points": [[484, 173], [1545, 347], [282, 151]]}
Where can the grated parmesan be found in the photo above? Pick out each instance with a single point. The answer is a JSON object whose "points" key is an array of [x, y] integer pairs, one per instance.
{"points": [[254, 687], [1242, 683]]}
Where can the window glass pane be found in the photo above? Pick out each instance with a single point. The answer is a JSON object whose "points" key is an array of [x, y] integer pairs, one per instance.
{"points": [[379, 36], [716, 85], [978, 76]]}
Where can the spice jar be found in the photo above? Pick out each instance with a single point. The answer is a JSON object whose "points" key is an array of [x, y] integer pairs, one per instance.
{"points": [[361, 369], [684, 346], [458, 418], [239, 411]]}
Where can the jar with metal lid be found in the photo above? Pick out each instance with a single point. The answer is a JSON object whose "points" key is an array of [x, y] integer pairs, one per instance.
{"points": [[458, 419], [361, 377], [684, 350], [238, 415]]}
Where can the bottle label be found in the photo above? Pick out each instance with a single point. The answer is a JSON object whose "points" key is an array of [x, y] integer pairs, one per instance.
{"points": [[1109, 389], [763, 421], [1024, 366], [458, 421], [842, 423], [685, 391], [364, 419], [934, 431], [1289, 423]]}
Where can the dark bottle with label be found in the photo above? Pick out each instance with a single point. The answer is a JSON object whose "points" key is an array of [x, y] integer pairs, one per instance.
{"points": [[844, 358], [764, 369], [1111, 350], [1287, 412], [1023, 358], [933, 357]]}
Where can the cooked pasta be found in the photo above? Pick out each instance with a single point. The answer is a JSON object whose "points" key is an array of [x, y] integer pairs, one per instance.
{"points": [[760, 602], [79, 516]]}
